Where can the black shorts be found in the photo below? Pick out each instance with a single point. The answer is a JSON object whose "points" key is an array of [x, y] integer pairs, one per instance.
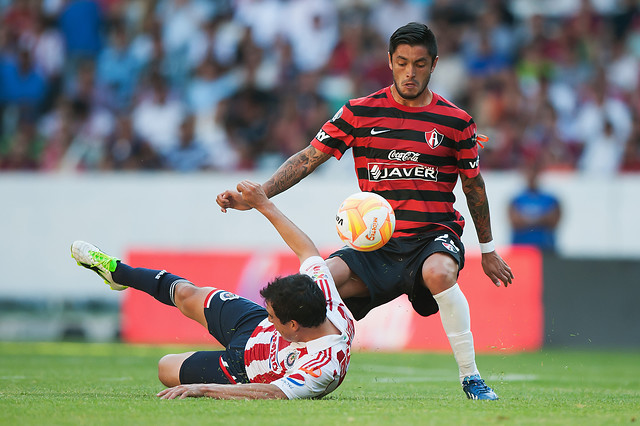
{"points": [[231, 319], [396, 269]]}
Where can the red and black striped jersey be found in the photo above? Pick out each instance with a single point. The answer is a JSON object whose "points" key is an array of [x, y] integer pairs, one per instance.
{"points": [[409, 155]]}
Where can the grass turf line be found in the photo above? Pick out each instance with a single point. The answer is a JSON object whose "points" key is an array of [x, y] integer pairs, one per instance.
{"points": [[74, 383]]}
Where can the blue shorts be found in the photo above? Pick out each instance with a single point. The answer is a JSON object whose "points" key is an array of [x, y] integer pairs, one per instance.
{"points": [[231, 319], [396, 269]]}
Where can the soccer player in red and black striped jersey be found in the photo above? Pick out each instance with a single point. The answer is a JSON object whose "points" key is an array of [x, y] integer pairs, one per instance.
{"points": [[410, 145], [298, 347]]}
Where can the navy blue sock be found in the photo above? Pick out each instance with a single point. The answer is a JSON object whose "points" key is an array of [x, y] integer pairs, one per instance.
{"points": [[159, 284]]}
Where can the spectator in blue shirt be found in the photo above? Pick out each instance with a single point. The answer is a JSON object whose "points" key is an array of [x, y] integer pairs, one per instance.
{"points": [[80, 23], [118, 69], [22, 84], [534, 214]]}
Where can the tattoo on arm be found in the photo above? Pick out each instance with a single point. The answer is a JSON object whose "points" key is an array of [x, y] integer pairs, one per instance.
{"points": [[478, 204], [296, 168]]}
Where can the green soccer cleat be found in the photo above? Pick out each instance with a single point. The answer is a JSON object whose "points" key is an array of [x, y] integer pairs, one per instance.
{"points": [[91, 257]]}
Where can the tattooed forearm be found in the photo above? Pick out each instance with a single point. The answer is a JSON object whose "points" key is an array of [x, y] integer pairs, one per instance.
{"points": [[478, 206], [296, 168]]}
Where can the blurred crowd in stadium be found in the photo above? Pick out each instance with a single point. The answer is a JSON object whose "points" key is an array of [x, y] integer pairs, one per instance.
{"points": [[242, 84]]}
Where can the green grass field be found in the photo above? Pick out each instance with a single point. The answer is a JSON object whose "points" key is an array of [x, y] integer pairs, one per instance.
{"points": [[74, 383]]}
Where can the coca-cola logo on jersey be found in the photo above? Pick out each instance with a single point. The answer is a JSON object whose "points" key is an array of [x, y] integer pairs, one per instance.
{"points": [[411, 171], [404, 155]]}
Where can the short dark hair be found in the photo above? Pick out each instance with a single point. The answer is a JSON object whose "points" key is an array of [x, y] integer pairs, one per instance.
{"points": [[414, 34], [296, 297]]}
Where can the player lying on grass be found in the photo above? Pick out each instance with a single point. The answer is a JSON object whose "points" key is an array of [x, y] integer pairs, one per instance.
{"points": [[298, 347]]}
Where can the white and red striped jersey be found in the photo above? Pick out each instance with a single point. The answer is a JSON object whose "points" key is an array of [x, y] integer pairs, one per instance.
{"points": [[304, 369]]}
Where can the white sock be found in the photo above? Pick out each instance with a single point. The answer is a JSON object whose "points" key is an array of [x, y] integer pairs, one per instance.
{"points": [[456, 321]]}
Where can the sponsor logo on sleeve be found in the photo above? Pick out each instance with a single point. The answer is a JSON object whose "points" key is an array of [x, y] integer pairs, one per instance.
{"points": [[337, 115], [474, 163], [322, 135]]}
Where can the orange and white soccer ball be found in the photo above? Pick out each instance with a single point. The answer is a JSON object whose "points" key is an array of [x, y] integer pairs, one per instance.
{"points": [[365, 221]]}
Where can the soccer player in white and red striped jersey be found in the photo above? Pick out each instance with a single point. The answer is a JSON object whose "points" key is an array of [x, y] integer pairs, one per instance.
{"points": [[298, 347], [410, 145]]}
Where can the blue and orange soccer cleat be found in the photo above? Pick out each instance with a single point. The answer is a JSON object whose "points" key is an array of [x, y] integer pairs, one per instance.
{"points": [[475, 388], [91, 257]]}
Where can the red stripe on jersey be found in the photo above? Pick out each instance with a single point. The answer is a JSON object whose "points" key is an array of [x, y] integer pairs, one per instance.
{"points": [[268, 377], [417, 205], [257, 352], [317, 363], [321, 147], [350, 331], [318, 359], [431, 228], [323, 283]]}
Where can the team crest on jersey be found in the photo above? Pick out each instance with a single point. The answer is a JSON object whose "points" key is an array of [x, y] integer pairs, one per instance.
{"points": [[337, 115], [433, 138], [290, 359], [227, 295]]}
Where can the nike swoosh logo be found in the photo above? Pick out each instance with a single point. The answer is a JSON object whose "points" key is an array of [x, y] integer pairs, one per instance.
{"points": [[377, 132]]}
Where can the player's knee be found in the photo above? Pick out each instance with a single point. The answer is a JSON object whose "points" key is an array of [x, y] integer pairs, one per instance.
{"points": [[439, 276], [169, 370], [183, 292]]}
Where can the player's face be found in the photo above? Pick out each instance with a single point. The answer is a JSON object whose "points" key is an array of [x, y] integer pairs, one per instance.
{"points": [[283, 328], [411, 67]]}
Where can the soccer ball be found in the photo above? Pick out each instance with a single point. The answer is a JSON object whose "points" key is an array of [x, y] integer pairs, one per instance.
{"points": [[365, 221]]}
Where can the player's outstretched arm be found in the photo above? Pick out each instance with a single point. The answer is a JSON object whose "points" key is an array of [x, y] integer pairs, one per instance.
{"points": [[253, 194], [240, 391], [296, 168], [492, 264]]}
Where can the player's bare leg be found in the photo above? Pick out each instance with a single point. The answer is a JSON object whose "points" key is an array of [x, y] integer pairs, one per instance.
{"points": [[164, 287], [347, 283], [190, 300], [169, 368]]}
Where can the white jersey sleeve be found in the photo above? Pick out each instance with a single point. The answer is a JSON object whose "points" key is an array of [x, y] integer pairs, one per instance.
{"points": [[317, 269]]}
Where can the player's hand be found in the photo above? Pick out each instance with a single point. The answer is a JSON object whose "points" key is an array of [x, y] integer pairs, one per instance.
{"points": [[496, 269], [183, 391], [231, 200], [252, 194]]}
